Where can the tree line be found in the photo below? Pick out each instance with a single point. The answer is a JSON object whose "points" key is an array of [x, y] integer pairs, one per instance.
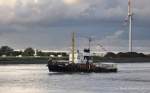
{"points": [[8, 51], [125, 55]]}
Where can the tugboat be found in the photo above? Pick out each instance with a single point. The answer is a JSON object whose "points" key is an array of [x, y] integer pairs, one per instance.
{"points": [[80, 62]]}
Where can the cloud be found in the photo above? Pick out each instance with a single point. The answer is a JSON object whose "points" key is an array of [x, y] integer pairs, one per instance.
{"points": [[116, 35], [54, 10], [114, 41], [71, 2], [54, 20], [9, 3]]}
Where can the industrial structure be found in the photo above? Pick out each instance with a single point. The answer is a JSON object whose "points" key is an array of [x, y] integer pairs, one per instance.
{"points": [[130, 15]]}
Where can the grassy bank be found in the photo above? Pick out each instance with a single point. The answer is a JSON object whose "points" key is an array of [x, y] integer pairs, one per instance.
{"points": [[123, 60], [27, 60], [23, 60], [44, 60]]}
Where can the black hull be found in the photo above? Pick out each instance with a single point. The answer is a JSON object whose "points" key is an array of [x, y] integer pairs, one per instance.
{"points": [[72, 68]]}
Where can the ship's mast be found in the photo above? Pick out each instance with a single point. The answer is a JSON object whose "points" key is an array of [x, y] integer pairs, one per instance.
{"points": [[73, 47], [130, 15], [90, 40]]}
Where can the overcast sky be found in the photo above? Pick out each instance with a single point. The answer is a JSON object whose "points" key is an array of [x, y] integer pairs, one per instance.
{"points": [[47, 24]]}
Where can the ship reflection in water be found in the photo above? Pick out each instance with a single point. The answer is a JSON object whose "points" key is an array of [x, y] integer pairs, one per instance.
{"points": [[131, 78]]}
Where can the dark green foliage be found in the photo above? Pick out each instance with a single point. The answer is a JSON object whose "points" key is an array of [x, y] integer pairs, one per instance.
{"points": [[64, 54], [6, 50], [110, 55], [17, 53], [124, 55], [130, 55], [28, 52], [40, 53]]}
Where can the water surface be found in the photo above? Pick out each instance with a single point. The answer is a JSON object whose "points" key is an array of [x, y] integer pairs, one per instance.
{"points": [[131, 78]]}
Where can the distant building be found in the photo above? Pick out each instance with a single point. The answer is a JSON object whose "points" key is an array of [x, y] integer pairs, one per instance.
{"points": [[35, 53], [4, 56], [101, 54], [52, 56], [19, 56], [59, 55]]}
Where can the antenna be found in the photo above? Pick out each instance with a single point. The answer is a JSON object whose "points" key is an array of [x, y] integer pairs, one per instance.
{"points": [[130, 15], [90, 40], [73, 47]]}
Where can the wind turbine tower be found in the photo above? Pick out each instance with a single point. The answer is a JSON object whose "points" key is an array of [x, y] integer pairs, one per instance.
{"points": [[130, 15]]}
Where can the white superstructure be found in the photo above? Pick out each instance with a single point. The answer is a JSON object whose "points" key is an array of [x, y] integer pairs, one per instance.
{"points": [[80, 57]]}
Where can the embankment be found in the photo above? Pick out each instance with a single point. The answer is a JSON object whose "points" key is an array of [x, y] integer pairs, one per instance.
{"points": [[44, 60], [124, 60], [24, 60]]}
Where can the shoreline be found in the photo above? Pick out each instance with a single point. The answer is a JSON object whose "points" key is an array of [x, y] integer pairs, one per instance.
{"points": [[124, 60], [23, 60], [44, 60]]}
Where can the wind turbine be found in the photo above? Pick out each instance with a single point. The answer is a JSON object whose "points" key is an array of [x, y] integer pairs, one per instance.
{"points": [[130, 15]]}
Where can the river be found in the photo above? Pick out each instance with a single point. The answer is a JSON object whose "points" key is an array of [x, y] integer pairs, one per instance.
{"points": [[131, 78]]}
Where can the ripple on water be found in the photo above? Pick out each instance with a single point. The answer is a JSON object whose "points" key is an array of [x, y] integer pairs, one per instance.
{"points": [[131, 78]]}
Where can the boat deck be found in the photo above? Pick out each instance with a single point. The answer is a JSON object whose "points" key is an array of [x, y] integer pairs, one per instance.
{"points": [[80, 67]]}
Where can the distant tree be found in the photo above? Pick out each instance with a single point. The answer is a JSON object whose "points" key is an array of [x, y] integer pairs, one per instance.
{"points": [[110, 55], [28, 52], [6, 50], [17, 53], [130, 55], [53, 53], [142, 55], [148, 55], [122, 55], [40, 53], [64, 54]]}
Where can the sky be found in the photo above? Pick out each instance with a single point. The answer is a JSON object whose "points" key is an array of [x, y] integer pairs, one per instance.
{"points": [[48, 24]]}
